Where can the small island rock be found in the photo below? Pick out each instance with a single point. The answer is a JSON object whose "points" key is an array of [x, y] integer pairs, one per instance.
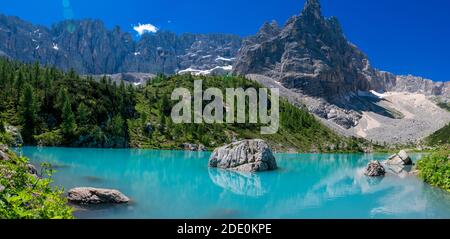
{"points": [[85, 195], [402, 159], [247, 156], [375, 169]]}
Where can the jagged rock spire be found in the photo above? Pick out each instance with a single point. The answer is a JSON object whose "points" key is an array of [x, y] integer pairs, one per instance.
{"points": [[270, 27], [312, 8], [267, 31]]}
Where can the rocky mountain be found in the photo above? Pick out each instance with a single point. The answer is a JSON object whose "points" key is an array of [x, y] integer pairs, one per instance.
{"points": [[314, 65], [309, 53], [309, 59], [90, 48], [312, 55]]}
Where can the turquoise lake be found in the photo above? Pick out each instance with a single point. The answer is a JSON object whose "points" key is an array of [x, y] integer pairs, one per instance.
{"points": [[178, 184]]}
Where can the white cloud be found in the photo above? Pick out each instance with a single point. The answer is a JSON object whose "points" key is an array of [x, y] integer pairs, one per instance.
{"points": [[145, 28]]}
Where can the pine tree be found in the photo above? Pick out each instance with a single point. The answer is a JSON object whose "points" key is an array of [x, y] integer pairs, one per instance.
{"points": [[118, 126], [83, 114], [28, 111], [68, 125], [19, 86]]}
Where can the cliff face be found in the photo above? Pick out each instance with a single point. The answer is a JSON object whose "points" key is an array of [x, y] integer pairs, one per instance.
{"points": [[311, 55], [90, 48]]}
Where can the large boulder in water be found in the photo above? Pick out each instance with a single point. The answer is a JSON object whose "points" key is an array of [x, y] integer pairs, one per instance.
{"points": [[375, 169], [247, 156], [96, 196], [402, 158], [399, 163]]}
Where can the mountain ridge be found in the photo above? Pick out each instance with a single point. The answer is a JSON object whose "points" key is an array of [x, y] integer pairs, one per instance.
{"points": [[90, 48]]}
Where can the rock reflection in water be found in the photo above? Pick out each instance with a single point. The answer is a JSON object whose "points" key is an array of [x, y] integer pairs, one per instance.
{"points": [[247, 184]]}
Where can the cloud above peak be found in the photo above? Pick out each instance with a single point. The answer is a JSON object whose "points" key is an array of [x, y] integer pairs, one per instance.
{"points": [[141, 29]]}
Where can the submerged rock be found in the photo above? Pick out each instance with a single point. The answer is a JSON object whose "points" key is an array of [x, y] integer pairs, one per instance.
{"points": [[96, 196], [375, 169], [247, 156]]}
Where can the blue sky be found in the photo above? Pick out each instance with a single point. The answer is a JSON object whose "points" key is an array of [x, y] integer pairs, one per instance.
{"points": [[401, 36]]}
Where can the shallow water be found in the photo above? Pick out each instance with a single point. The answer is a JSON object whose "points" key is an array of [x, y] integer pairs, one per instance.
{"points": [[178, 184]]}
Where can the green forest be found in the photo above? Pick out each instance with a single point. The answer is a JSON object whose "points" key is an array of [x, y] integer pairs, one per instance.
{"points": [[55, 108]]}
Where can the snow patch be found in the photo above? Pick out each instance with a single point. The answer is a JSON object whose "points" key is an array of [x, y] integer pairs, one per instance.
{"points": [[379, 95], [218, 70], [225, 59]]}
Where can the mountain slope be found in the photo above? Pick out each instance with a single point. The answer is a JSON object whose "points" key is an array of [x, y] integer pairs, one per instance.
{"points": [[315, 64], [53, 108], [299, 130]]}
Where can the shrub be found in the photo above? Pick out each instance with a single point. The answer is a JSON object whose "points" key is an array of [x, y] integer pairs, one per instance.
{"points": [[52, 138], [435, 169], [26, 196]]}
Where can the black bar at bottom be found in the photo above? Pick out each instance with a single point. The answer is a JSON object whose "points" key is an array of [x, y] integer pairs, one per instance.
{"points": [[236, 229]]}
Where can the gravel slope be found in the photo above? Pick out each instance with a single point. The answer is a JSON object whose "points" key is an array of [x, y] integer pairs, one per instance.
{"points": [[420, 116]]}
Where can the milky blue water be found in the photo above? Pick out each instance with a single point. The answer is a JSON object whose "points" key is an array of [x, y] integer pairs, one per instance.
{"points": [[177, 184]]}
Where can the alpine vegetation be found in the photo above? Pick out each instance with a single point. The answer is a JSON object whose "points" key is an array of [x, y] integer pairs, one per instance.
{"points": [[235, 106]]}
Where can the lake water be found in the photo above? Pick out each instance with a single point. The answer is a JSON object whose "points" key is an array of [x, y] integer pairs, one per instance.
{"points": [[178, 184]]}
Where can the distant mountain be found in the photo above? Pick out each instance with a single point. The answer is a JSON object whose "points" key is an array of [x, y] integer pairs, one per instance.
{"points": [[90, 48], [313, 64]]}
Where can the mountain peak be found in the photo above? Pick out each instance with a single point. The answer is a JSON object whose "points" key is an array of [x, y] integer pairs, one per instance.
{"points": [[312, 8], [270, 27]]}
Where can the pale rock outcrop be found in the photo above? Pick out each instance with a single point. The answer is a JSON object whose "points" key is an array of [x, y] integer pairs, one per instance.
{"points": [[3, 155], [15, 133], [247, 156]]}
